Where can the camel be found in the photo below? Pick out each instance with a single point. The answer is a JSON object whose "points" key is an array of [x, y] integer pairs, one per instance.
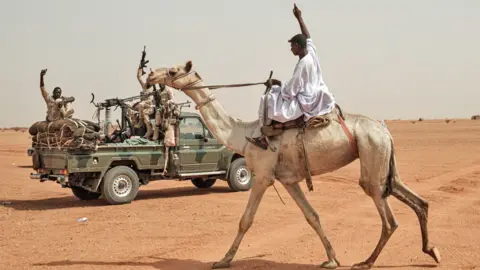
{"points": [[327, 149]]}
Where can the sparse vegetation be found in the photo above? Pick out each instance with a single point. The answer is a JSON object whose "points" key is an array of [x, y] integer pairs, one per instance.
{"points": [[16, 129]]}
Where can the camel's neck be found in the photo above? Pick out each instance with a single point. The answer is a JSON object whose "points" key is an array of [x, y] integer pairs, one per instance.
{"points": [[229, 131]]}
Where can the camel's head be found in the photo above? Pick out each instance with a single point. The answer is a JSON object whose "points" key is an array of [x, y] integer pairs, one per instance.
{"points": [[178, 77]]}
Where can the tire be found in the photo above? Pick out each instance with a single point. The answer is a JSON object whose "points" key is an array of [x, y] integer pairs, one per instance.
{"points": [[84, 194], [200, 183], [239, 177], [120, 185]]}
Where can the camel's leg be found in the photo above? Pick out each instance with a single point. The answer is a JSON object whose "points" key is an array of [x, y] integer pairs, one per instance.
{"points": [[389, 224], [256, 195], [313, 219], [420, 206]]}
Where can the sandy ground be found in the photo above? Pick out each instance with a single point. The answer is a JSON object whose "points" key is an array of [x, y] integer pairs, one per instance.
{"points": [[173, 225]]}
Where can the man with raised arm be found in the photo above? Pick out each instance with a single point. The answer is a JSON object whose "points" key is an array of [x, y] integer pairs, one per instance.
{"points": [[146, 106], [58, 107], [305, 94]]}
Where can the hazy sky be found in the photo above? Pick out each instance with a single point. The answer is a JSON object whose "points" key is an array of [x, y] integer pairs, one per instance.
{"points": [[384, 59]]}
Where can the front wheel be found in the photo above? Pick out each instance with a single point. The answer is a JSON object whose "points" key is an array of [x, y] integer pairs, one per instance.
{"points": [[239, 177], [84, 194], [120, 185]]}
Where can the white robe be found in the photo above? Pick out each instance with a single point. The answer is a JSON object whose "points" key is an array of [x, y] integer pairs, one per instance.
{"points": [[304, 94]]}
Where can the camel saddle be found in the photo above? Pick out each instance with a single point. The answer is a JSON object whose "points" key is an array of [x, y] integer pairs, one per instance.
{"points": [[277, 128]]}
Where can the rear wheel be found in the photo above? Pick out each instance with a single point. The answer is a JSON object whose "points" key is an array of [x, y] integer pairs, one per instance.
{"points": [[120, 185], [239, 177], [84, 194], [201, 183]]}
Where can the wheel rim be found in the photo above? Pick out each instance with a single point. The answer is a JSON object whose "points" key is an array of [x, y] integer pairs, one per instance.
{"points": [[243, 175], [122, 185]]}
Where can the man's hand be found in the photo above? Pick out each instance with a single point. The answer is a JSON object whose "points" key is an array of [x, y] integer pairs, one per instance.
{"points": [[298, 15], [274, 82], [42, 84], [296, 11]]}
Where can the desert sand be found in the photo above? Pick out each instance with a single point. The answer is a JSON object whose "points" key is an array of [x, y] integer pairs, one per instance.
{"points": [[173, 225]]}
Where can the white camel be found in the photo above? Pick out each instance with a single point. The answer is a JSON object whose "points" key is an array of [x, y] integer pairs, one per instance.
{"points": [[328, 149]]}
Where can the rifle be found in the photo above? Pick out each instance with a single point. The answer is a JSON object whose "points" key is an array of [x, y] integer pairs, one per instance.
{"points": [[183, 104], [65, 100], [143, 63]]}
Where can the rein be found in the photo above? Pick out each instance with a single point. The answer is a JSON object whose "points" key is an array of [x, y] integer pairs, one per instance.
{"points": [[191, 86], [211, 87]]}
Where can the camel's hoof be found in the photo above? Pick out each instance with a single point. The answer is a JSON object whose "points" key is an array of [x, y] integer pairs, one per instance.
{"points": [[361, 266], [330, 264], [434, 253], [219, 265]]}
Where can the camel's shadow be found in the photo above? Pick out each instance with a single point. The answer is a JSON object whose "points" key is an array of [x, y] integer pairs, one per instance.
{"points": [[179, 264]]}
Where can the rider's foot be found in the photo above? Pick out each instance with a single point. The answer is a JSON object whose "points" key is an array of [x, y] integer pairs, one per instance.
{"points": [[259, 141]]}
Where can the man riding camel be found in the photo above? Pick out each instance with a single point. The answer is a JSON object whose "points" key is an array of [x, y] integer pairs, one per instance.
{"points": [[305, 94]]}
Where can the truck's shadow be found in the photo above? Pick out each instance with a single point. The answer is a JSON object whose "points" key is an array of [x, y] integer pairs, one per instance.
{"points": [[72, 202], [181, 264]]}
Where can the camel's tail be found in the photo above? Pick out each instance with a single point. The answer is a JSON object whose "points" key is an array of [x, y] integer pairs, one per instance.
{"points": [[392, 172]]}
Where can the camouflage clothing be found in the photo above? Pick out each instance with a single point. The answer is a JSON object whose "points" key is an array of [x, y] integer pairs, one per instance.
{"points": [[146, 106], [166, 115]]}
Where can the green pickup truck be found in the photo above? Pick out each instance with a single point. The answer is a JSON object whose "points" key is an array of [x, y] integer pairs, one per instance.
{"points": [[116, 170]]}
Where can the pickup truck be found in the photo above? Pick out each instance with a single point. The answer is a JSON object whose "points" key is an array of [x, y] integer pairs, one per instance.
{"points": [[117, 170]]}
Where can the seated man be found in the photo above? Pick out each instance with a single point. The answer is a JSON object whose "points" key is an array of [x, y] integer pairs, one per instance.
{"points": [[305, 94], [146, 106], [58, 107]]}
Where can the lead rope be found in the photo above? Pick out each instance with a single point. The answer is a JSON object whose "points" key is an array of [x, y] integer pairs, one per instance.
{"points": [[278, 194], [265, 111]]}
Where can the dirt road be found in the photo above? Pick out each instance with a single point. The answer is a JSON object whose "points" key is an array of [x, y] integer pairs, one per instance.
{"points": [[173, 225]]}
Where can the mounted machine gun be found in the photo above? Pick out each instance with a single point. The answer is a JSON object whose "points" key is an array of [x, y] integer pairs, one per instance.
{"points": [[122, 132]]}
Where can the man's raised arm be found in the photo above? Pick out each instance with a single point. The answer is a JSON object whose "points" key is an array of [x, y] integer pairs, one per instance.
{"points": [[42, 85], [298, 15]]}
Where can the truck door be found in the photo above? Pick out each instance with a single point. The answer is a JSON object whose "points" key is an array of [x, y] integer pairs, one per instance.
{"points": [[198, 150]]}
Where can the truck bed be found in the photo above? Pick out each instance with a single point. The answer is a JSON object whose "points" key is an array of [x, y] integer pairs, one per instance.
{"points": [[145, 156]]}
